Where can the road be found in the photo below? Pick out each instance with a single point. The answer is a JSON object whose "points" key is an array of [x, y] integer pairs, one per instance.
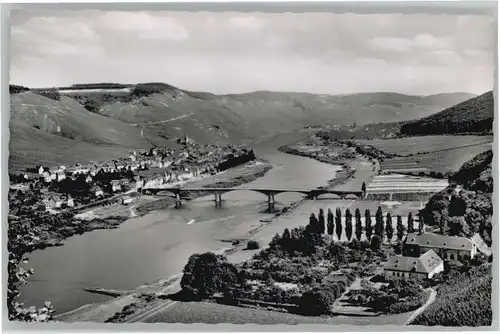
{"points": [[150, 312], [421, 309], [164, 121]]}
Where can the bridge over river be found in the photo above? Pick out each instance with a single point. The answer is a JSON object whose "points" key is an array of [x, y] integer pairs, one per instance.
{"points": [[269, 192]]}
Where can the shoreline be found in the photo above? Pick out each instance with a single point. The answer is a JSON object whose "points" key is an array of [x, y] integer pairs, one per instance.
{"points": [[88, 220], [54, 230], [346, 172], [238, 251]]}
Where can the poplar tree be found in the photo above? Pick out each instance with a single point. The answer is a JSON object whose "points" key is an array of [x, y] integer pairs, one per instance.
{"points": [[348, 224], [389, 230], [331, 225], [368, 224], [358, 227]]}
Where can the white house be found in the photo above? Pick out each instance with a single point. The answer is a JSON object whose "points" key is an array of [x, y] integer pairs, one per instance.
{"points": [[42, 170], [116, 186], [417, 268], [99, 192]]}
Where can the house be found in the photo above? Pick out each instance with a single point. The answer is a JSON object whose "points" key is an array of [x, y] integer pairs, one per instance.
{"points": [[98, 192], [88, 179], [127, 200], [116, 186], [447, 247], [60, 176], [71, 203], [416, 268], [42, 170]]}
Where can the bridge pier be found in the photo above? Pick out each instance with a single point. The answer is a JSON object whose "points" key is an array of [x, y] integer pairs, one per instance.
{"points": [[218, 199], [270, 201], [178, 201]]}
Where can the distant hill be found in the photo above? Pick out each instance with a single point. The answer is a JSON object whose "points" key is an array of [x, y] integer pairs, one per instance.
{"points": [[125, 116], [60, 131], [472, 116]]}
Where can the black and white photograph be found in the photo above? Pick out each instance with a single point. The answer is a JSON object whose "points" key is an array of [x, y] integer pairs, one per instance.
{"points": [[252, 167]]}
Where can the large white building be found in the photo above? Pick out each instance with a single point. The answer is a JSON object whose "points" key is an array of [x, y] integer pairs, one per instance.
{"points": [[416, 268]]}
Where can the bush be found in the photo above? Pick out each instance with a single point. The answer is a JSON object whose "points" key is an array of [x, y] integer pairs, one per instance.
{"points": [[91, 106], [52, 94], [252, 244], [315, 302]]}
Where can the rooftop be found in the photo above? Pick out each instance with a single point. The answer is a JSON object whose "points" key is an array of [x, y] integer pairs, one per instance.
{"points": [[426, 263], [439, 241]]}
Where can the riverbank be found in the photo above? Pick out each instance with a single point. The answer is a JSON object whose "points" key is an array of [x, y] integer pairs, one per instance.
{"points": [[231, 178], [356, 168], [26, 236]]}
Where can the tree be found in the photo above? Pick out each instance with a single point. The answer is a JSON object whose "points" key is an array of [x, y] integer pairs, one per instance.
{"points": [[330, 226], [410, 223], [338, 223], [375, 243], [443, 222], [321, 222], [400, 228], [368, 224], [358, 227], [348, 224], [252, 244], [275, 241], [389, 230], [313, 223], [315, 302], [398, 247], [379, 222], [206, 274], [457, 226], [91, 106], [457, 206], [286, 235], [420, 224]]}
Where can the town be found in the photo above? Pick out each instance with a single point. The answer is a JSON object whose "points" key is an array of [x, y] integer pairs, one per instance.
{"points": [[80, 186]]}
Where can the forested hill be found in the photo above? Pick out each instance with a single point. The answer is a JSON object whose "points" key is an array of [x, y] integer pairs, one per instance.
{"points": [[470, 210], [476, 174], [472, 116]]}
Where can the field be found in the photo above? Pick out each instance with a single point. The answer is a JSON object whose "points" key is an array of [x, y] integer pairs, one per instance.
{"points": [[417, 145], [210, 313], [382, 184], [444, 153]]}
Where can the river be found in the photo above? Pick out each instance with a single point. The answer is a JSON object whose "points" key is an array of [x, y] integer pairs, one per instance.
{"points": [[157, 245]]}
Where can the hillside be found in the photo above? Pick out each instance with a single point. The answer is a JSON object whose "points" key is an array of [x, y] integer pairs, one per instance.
{"points": [[476, 174], [472, 116], [110, 115], [244, 117], [62, 131]]}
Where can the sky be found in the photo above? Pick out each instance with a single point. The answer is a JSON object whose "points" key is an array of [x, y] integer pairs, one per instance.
{"points": [[231, 52]]}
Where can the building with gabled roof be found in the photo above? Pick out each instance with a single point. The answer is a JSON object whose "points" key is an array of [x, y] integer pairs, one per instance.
{"points": [[416, 268], [447, 247]]}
